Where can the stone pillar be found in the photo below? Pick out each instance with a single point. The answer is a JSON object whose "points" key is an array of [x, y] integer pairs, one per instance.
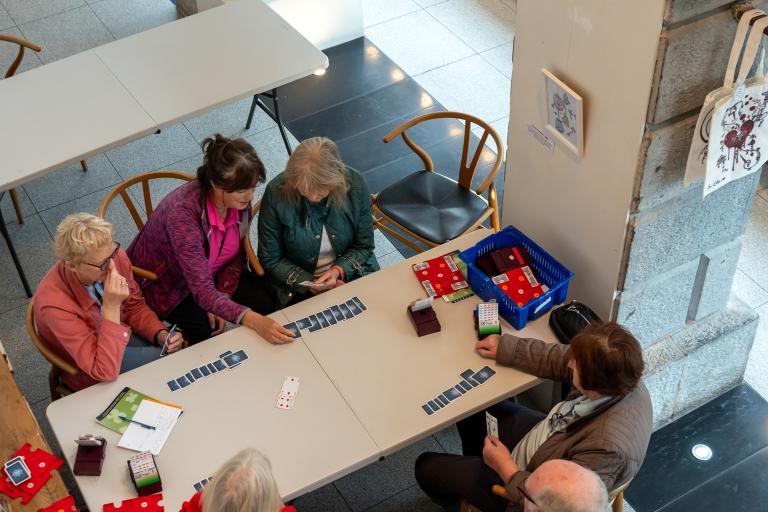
{"points": [[681, 251], [647, 251]]}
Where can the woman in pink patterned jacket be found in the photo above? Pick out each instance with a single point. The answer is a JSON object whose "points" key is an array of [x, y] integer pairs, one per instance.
{"points": [[194, 243]]}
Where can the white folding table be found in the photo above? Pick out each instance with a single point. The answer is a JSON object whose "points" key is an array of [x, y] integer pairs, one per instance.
{"points": [[315, 442]]}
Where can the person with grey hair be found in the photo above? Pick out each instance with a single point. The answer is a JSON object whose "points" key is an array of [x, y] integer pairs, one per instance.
{"points": [[315, 224], [244, 483], [563, 486]]}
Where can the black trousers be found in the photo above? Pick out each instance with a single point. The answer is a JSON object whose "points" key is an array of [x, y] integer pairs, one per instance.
{"points": [[251, 292], [448, 478]]}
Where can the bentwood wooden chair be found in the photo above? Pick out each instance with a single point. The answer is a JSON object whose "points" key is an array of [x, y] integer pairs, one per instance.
{"points": [[58, 365], [615, 497], [427, 208], [23, 44], [144, 180]]}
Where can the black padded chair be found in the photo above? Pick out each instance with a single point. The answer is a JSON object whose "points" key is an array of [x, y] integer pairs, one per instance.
{"points": [[431, 208]]}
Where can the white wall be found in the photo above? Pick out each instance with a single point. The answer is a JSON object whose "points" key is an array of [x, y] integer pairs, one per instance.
{"points": [[324, 23], [578, 208]]}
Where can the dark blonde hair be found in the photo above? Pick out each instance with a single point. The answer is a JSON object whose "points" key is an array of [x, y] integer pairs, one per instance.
{"points": [[230, 164], [315, 165], [243, 484]]}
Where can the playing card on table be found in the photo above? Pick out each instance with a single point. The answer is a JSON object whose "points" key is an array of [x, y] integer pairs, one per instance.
{"points": [[196, 373], [451, 394], [314, 324], [491, 425], [484, 374], [329, 316], [285, 401], [359, 303], [346, 312], [427, 409], [304, 323], [323, 321], [183, 382], [353, 307], [204, 370], [233, 360], [288, 392], [293, 328], [40, 464], [337, 313], [173, 385], [17, 471], [467, 376]]}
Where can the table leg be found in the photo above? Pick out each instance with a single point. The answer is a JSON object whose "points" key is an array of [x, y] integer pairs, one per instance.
{"points": [[274, 116], [12, 250]]}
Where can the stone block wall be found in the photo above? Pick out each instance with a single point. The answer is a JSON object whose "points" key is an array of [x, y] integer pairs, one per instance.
{"points": [[681, 250]]}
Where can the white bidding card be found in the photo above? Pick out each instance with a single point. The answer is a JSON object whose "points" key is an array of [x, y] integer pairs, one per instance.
{"points": [[492, 425]]}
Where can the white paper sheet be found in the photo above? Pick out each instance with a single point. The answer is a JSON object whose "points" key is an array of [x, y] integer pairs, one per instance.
{"points": [[160, 415]]}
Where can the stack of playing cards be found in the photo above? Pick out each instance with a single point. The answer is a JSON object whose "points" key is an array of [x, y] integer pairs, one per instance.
{"points": [[470, 379], [491, 425], [227, 360], [288, 393], [202, 483], [27, 472], [327, 318]]}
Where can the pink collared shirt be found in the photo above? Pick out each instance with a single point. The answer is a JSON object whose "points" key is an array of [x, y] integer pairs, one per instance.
{"points": [[224, 237]]}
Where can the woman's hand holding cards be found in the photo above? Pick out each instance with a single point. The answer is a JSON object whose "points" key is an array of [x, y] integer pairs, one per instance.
{"points": [[267, 328]]}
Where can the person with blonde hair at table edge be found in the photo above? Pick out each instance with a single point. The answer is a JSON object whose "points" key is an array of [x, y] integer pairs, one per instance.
{"points": [[195, 242], [243, 484], [90, 311]]}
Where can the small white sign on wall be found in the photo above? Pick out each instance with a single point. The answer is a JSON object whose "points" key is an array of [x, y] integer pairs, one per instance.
{"points": [[540, 137]]}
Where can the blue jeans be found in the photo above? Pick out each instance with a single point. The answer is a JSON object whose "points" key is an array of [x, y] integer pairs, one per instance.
{"points": [[137, 353]]}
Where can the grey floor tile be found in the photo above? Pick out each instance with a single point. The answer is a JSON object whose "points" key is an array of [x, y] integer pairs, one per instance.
{"points": [[9, 51], [755, 244], [763, 192], [5, 20], [481, 24], [229, 120], [9, 214], [500, 58], [383, 245], [71, 182], [123, 227], [377, 11], [398, 39], [123, 18], [408, 500], [24, 11], [390, 259], [67, 33], [153, 151], [380, 480], [748, 291], [324, 499], [30, 368], [755, 374], [470, 85], [449, 440], [34, 247]]}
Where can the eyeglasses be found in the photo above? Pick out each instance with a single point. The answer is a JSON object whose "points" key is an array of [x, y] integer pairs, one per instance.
{"points": [[104, 264], [525, 495]]}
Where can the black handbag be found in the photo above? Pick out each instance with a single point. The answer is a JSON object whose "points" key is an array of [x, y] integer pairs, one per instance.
{"points": [[570, 319]]}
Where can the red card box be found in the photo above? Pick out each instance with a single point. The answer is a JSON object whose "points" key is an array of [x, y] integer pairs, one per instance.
{"points": [[520, 285]]}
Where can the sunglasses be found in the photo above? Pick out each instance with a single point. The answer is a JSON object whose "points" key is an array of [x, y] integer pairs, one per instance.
{"points": [[524, 494], [104, 264]]}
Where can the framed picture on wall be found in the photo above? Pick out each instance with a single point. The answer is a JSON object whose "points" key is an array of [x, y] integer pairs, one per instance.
{"points": [[565, 113]]}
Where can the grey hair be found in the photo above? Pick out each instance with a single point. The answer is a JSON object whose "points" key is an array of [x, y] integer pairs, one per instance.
{"points": [[553, 499], [316, 164], [243, 484]]}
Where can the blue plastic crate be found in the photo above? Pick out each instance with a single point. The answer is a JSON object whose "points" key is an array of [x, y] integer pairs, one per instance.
{"points": [[547, 269]]}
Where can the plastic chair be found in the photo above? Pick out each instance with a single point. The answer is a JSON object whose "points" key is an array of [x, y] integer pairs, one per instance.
{"points": [[615, 497], [23, 43], [431, 208], [144, 179], [58, 365]]}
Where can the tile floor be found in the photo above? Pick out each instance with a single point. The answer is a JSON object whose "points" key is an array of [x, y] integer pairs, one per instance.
{"points": [[467, 36]]}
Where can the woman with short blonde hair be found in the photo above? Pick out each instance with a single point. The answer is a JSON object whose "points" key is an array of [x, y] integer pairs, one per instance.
{"points": [[315, 224], [243, 484], [90, 311]]}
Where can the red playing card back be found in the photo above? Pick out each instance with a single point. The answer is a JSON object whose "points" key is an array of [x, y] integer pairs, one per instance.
{"points": [[520, 285], [440, 275]]}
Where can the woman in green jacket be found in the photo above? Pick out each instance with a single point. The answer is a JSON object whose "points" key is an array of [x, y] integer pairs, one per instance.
{"points": [[315, 224]]}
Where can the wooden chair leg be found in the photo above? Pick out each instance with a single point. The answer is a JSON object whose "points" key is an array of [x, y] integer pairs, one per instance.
{"points": [[84, 165], [53, 383], [16, 205]]}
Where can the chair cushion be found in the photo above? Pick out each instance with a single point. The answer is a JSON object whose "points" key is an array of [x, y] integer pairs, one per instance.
{"points": [[431, 205]]}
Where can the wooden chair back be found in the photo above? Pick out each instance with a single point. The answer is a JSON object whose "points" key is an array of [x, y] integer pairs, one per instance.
{"points": [[468, 163], [253, 260], [23, 44], [58, 365]]}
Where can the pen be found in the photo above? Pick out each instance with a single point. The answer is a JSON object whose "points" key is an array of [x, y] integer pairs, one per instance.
{"points": [[137, 422], [171, 332]]}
